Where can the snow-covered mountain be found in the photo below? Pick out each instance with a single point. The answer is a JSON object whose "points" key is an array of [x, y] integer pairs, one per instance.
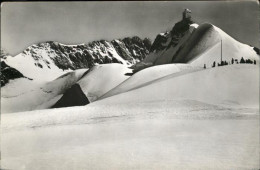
{"points": [[49, 60], [189, 42]]}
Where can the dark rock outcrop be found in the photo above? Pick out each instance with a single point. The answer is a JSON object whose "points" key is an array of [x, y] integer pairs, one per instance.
{"points": [[158, 42], [8, 73], [257, 50], [74, 96]]}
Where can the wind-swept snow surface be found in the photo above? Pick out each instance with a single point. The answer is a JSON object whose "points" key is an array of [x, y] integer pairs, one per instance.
{"points": [[150, 135]]}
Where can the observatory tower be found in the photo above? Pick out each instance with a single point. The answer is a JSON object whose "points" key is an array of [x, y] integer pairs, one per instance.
{"points": [[186, 15]]}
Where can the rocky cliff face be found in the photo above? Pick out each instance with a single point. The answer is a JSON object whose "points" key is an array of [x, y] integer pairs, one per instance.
{"points": [[125, 51], [137, 49]]}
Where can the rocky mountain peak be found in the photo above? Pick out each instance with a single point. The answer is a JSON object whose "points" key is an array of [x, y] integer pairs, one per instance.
{"points": [[164, 40]]}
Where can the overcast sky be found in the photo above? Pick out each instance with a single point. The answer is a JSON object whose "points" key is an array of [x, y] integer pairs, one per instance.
{"points": [[26, 23]]}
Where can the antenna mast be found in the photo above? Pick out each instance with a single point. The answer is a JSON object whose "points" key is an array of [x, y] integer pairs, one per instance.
{"points": [[221, 52]]}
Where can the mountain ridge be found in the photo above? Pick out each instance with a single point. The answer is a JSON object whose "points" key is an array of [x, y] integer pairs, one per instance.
{"points": [[53, 58]]}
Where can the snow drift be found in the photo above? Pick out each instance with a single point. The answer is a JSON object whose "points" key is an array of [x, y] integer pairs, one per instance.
{"points": [[148, 75], [103, 78], [24, 95]]}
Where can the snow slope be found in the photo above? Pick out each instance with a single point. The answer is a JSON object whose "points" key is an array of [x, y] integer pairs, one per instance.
{"points": [[236, 85], [103, 78], [23, 95], [204, 119], [29, 67], [230, 49], [203, 38], [147, 75]]}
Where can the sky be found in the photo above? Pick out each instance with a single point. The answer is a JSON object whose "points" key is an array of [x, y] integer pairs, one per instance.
{"points": [[27, 23]]}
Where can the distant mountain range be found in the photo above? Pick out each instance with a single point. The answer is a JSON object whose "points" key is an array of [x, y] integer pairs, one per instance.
{"points": [[52, 58]]}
